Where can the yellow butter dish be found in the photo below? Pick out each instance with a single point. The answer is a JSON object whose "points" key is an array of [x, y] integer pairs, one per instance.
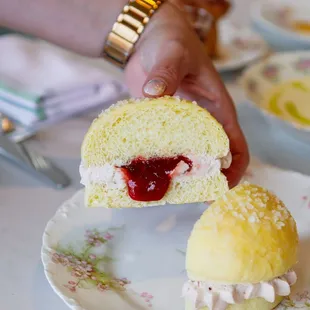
{"points": [[290, 101]]}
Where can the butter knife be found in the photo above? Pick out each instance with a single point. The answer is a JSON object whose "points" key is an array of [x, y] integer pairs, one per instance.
{"points": [[32, 162]]}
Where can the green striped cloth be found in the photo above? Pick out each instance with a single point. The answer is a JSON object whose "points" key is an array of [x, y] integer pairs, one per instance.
{"points": [[24, 107]]}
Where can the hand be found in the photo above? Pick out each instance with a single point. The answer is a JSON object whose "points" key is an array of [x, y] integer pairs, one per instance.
{"points": [[170, 58]]}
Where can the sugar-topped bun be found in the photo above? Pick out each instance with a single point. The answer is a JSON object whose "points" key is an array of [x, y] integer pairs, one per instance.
{"points": [[244, 244], [248, 234], [137, 138]]}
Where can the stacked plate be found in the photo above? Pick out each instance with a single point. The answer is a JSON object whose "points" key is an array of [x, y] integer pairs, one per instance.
{"points": [[284, 24], [239, 46]]}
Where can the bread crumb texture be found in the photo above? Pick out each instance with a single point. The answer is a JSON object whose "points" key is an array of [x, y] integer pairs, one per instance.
{"points": [[166, 126], [246, 236], [192, 190]]}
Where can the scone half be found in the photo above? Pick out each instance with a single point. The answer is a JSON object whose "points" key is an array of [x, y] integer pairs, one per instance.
{"points": [[152, 152]]}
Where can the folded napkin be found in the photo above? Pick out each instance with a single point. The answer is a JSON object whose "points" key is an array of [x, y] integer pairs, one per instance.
{"points": [[40, 83]]}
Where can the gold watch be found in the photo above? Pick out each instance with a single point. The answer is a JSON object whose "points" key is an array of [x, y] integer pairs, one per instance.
{"points": [[126, 31]]}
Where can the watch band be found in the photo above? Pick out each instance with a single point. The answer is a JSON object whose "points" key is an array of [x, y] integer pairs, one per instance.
{"points": [[126, 31]]}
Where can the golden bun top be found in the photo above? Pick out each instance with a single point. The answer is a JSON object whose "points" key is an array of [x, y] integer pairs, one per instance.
{"points": [[247, 236], [161, 127]]}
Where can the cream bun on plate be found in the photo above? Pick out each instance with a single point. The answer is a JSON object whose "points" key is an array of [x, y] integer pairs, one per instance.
{"points": [[241, 253], [145, 152]]}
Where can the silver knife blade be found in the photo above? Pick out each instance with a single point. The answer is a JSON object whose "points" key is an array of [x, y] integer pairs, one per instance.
{"points": [[32, 162]]}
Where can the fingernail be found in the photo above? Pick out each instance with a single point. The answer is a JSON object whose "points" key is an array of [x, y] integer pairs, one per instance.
{"points": [[155, 87]]}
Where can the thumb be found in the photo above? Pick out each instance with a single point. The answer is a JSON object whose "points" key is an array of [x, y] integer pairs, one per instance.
{"points": [[169, 69]]}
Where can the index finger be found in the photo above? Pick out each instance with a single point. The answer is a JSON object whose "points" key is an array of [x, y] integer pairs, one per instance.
{"points": [[210, 92]]}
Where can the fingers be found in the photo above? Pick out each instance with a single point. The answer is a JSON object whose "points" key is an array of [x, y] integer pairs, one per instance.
{"points": [[239, 150], [168, 71], [135, 76], [209, 91], [168, 66], [238, 146]]}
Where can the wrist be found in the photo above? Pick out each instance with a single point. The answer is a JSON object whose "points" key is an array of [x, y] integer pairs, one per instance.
{"points": [[167, 28], [130, 24], [104, 22], [169, 19]]}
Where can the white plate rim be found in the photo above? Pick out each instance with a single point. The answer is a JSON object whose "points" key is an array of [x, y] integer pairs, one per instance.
{"points": [[75, 201], [45, 257]]}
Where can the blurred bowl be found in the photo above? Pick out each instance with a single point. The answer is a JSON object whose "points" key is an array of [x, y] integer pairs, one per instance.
{"points": [[238, 47], [275, 21], [265, 76]]}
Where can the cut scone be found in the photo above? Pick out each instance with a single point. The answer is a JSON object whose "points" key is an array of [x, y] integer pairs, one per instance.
{"points": [[152, 152]]}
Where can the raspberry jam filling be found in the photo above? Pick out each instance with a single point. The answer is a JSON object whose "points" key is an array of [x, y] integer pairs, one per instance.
{"points": [[149, 179]]}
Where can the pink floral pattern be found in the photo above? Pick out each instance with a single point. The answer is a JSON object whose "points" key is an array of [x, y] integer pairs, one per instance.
{"points": [[94, 238], [147, 298], [303, 65], [271, 72], [304, 296], [84, 267], [300, 301], [306, 200], [252, 86]]}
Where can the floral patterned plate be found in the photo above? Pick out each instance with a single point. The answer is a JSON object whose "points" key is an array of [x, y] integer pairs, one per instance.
{"points": [[259, 79], [239, 46], [103, 259]]}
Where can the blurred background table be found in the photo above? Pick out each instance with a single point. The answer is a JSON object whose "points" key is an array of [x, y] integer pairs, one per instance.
{"points": [[26, 205]]}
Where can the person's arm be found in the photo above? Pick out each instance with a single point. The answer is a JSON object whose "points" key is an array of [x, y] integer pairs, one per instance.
{"points": [[78, 25], [168, 57]]}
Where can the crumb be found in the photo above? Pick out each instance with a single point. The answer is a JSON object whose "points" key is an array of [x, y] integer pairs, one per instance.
{"points": [[252, 219]]}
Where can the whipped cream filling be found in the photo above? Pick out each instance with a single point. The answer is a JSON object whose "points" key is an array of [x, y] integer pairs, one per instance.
{"points": [[112, 176], [220, 296]]}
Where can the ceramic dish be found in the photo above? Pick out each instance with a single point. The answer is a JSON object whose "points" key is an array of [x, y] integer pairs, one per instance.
{"points": [[276, 21], [239, 46], [260, 78], [104, 259]]}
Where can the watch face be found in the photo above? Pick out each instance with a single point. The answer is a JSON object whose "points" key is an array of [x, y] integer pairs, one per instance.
{"points": [[200, 18]]}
